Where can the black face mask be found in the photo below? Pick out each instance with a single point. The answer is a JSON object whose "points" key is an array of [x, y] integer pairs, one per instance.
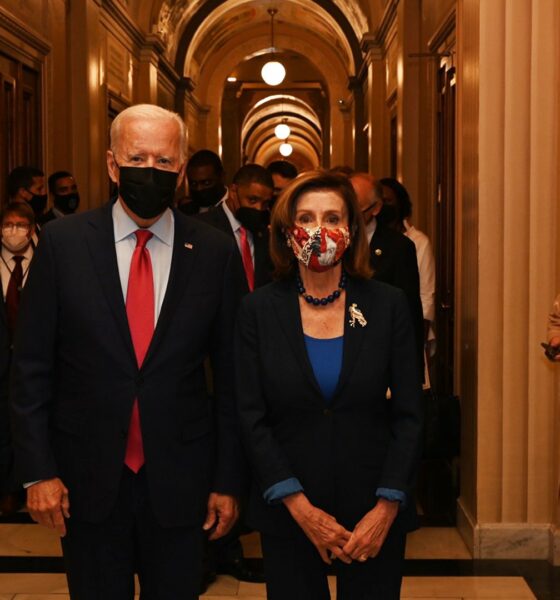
{"points": [[67, 203], [388, 215], [208, 196], [38, 203], [147, 191], [252, 219]]}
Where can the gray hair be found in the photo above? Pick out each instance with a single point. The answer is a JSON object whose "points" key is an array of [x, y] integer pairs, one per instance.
{"points": [[151, 112]]}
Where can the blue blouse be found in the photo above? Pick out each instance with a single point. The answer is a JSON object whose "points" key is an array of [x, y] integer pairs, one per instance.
{"points": [[325, 356]]}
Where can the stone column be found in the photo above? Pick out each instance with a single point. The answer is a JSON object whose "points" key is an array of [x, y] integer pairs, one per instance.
{"points": [[509, 499]]}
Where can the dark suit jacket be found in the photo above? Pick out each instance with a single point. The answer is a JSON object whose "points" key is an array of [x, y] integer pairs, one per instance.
{"points": [[75, 375], [47, 217], [341, 453], [217, 217], [393, 258]]}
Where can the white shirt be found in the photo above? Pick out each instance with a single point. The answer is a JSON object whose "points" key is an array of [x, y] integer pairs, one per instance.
{"points": [[235, 226], [370, 229], [160, 246], [426, 270], [7, 265]]}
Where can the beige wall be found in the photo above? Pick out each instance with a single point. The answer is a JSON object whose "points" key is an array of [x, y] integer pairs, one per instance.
{"points": [[510, 486]]}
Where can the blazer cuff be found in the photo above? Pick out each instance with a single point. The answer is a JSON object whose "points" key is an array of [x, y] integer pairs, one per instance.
{"points": [[277, 492], [392, 495]]}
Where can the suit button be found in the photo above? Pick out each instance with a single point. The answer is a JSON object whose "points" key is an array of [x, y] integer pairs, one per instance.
{"points": [[327, 412], [139, 380], [124, 433], [378, 252]]}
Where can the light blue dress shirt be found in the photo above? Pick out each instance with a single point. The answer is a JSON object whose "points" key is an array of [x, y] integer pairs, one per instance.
{"points": [[160, 247]]}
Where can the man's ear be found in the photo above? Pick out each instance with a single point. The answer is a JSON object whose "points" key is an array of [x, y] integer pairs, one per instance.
{"points": [[112, 167], [377, 208], [233, 197]]}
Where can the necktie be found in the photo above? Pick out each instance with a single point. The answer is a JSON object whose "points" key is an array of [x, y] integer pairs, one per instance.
{"points": [[247, 258], [13, 293], [140, 313]]}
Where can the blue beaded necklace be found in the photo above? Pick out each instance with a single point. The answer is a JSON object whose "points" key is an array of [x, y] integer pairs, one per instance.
{"points": [[321, 301]]}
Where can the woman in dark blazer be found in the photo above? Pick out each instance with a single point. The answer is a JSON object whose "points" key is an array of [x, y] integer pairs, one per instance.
{"points": [[334, 458]]}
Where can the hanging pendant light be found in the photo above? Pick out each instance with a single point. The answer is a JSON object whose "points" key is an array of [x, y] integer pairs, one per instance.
{"points": [[273, 72], [286, 149], [282, 131]]}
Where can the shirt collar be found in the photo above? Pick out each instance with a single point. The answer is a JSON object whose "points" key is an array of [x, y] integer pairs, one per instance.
{"points": [[371, 227], [124, 226], [235, 224]]}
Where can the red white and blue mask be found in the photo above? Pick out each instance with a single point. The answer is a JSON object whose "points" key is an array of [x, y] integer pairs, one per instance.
{"points": [[318, 248]]}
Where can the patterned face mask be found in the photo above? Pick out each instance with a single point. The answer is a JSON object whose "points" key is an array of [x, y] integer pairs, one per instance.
{"points": [[319, 248]]}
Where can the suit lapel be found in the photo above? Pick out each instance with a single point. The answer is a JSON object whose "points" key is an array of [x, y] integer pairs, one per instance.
{"points": [[182, 262], [100, 238], [286, 305], [353, 335]]}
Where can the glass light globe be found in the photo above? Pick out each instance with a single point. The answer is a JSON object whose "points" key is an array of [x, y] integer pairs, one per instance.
{"points": [[286, 149], [273, 73], [282, 131]]}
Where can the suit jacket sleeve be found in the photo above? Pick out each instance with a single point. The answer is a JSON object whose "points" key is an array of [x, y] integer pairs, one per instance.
{"points": [[408, 280], [404, 449], [229, 474], [33, 368], [265, 455]]}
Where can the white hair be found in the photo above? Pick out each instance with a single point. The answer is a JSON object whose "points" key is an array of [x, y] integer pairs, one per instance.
{"points": [[151, 112]]}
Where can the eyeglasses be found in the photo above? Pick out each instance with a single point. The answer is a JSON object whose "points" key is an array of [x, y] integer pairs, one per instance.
{"points": [[19, 227]]}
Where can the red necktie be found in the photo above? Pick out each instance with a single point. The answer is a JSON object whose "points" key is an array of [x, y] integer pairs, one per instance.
{"points": [[13, 293], [247, 259], [140, 312]]}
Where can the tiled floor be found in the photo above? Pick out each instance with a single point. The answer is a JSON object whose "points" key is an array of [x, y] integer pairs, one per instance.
{"points": [[438, 565]]}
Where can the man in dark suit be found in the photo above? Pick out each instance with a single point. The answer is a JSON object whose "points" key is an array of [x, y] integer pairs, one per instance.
{"points": [[115, 437], [393, 255], [244, 215], [16, 252]]}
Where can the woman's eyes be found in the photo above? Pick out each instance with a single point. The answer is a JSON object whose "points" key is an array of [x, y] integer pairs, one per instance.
{"points": [[329, 219]]}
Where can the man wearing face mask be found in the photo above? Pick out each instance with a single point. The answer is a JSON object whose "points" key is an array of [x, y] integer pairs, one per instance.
{"points": [[393, 255], [245, 215], [64, 194], [205, 176], [115, 438], [27, 184], [15, 257]]}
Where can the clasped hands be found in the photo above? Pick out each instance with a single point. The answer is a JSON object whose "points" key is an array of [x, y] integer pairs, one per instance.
{"points": [[332, 540]]}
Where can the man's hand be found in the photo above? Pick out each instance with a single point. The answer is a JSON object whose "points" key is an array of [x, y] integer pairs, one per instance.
{"points": [[322, 529], [222, 513], [370, 533], [48, 504]]}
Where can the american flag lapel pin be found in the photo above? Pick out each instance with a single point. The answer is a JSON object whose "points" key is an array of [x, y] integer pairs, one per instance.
{"points": [[188, 246]]}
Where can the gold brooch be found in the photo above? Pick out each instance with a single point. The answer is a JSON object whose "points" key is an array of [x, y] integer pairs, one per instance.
{"points": [[378, 252], [356, 315]]}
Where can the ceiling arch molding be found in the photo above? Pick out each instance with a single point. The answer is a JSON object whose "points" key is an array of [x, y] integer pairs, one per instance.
{"points": [[304, 156], [330, 10], [252, 147], [265, 122]]}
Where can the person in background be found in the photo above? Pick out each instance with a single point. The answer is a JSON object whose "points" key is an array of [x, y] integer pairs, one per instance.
{"points": [[206, 179], [396, 196], [18, 221], [334, 460], [392, 255], [283, 172], [65, 197], [27, 184]]}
